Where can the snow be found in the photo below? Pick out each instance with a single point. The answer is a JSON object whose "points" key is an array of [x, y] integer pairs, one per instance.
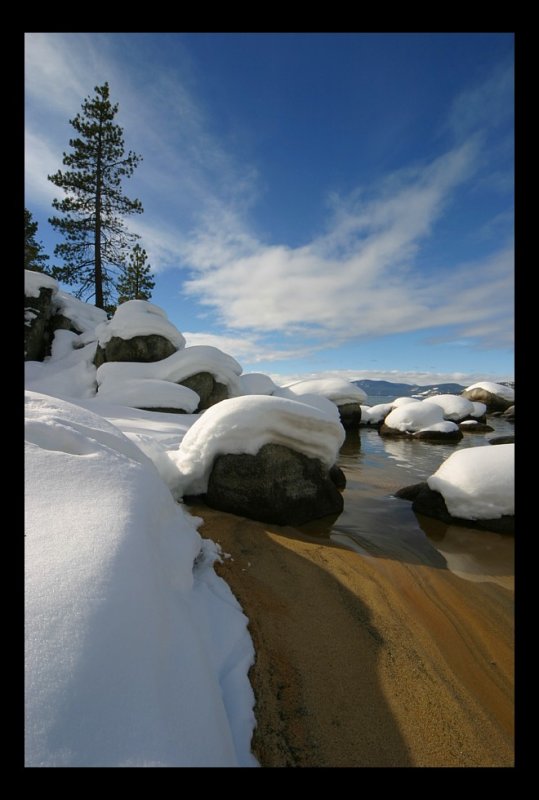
{"points": [[470, 423], [150, 393], [372, 415], [136, 651], [453, 406], [175, 368], [33, 281], [84, 316], [494, 388], [339, 390], [139, 318], [402, 401], [256, 383], [68, 372], [477, 483], [440, 427], [479, 409], [414, 416], [244, 425]]}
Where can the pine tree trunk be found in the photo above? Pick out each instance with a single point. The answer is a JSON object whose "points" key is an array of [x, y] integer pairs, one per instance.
{"points": [[98, 273]]}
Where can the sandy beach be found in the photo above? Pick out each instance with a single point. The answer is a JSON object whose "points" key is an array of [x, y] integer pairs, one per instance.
{"points": [[368, 661]]}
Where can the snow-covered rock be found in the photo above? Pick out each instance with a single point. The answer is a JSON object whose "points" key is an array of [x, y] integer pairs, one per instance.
{"points": [[495, 396], [454, 407], [414, 416], [346, 396], [138, 331], [402, 401], [439, 432], [373, 415], [245, 425], [256, 383], [478, 482], [35, 281], [136, 652], [39, 291]]}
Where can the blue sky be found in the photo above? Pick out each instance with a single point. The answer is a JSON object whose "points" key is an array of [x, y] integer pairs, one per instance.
{"points": [[313, 202]]}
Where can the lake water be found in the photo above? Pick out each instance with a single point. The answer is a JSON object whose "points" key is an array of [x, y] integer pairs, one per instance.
{"points": [[376, 524]]}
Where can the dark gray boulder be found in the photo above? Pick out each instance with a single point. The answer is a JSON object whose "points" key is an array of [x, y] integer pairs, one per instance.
{"points": [[430, 503], [207, 387], [37, 336], [350, 414], [439, 436], [502, 440], [277, 485], [151, 347], [480, 427]]}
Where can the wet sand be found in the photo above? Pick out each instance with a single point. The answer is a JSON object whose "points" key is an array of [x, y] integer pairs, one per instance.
{"points": [[366, 661]]}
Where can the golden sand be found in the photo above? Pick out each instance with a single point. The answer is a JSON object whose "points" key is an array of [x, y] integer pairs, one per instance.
{"points": [[364, 661]]}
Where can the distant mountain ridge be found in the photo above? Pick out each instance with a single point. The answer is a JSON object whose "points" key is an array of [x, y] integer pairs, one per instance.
{"points": [[387, 388]]}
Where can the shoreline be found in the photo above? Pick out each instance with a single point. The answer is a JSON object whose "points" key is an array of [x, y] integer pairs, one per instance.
{"points": [[367, 661]]}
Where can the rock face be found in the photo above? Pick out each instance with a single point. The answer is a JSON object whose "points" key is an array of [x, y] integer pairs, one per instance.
{"points": [[492, 401], [430, 503], [37, 336], [151, 347], [277, 485], [208, 389], [350, 414]]}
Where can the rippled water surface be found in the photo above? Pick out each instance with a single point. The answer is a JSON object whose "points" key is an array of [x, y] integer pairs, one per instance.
{"points": [[376, 523]]}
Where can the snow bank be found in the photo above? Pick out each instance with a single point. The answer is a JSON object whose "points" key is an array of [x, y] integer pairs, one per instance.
{"points": [[494, 388], [84, 316], [139, 318], [477, 483], [244, 425], [150, 393], [175, 368], [453, 406], [34, 281], [256, 383], [68, 372], [414, 416], [136, 652], [339, 390]]}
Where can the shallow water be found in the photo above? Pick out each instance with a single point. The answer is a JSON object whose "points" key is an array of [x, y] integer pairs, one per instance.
{"points": [[376, 524]]}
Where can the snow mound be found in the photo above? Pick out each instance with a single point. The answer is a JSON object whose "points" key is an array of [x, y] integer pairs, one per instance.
{"points": [[414, 416], [244, 425], [477, 483], [372, 415], [175, 368], [479, 409], [441, 427], [84, 316], [139, 318], [338, 390], [494, 388], [34, 281], [150, 393], [136, 652], [402, 401], [256, 383], [68, 372], [453, 406]]}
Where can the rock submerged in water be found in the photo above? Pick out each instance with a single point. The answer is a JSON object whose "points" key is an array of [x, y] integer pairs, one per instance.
{"points": [[277, 485], [431, 503]]}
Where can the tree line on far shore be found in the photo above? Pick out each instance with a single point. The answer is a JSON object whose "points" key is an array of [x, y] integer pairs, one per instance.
{"points": [[100, 256]]}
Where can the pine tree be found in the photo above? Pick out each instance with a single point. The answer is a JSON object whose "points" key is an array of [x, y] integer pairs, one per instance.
{"points": [[93, 206], [34, 258], [136, 281]]}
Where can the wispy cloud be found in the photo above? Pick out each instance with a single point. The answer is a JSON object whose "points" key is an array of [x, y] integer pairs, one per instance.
{"points": [[395, 376]]}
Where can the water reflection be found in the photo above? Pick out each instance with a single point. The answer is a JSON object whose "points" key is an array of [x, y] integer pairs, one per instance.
{"points": [[474, 555]]}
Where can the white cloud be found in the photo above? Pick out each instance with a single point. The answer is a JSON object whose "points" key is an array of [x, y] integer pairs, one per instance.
{"points": [[359, 279], [488, 103]]}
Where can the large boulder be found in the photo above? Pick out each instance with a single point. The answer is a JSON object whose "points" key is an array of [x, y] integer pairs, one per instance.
{"points": [[345, 395], [350, 414], [495, 396], [151, 347], [208, 388], [277, 485], [37, 314], [421, 420]]}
